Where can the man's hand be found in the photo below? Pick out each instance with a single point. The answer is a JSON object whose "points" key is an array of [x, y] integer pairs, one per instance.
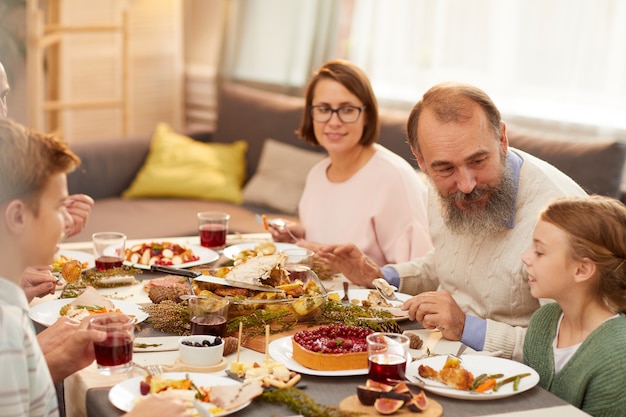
{"points": [[38, 281], [79, 207], [351, 262], [437, 310]]}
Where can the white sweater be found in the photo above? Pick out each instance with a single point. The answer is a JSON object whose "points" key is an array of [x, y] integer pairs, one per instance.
{"points": [[486, 275]]}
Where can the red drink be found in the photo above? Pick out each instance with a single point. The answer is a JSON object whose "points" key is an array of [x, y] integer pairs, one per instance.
{"points": [[212, 235], [212, 325], [298, 272], [116, 350], [108, 262], [385, 367]]}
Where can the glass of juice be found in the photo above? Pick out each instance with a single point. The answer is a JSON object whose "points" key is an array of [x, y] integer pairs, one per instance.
{"points": [[115, 354], [208, 315], [387, 357], [213, 228], [108, 249]]}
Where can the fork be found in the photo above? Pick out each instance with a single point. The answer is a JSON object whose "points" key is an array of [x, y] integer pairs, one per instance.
{"points": [[151, 370], [277, 223], [380, 286]]}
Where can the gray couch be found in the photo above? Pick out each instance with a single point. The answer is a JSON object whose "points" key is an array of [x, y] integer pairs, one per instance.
{"points": [[109, 166]]}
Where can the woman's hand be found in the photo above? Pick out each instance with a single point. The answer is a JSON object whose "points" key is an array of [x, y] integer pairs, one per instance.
{"points": [[78, 207]]}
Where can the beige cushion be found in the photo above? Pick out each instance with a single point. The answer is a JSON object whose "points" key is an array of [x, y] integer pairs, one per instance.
{"points": [[280, 176], [178, 166]]}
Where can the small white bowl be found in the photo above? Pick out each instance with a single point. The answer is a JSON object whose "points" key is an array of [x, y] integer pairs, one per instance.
{"points": [[200, 355]]}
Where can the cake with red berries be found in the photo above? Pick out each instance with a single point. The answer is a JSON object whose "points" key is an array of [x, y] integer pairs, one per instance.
{"points": [[331, 348]]}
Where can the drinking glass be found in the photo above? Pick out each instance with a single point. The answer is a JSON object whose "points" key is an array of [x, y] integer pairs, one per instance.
{"points": [[298, 262], [387, 357], [109, 249], [213, 228], [115, 354], [208, 315]]}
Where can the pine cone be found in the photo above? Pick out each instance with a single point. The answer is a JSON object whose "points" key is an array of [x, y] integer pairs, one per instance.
{"points": [[158, 294], [415, 342], [230, 345]]}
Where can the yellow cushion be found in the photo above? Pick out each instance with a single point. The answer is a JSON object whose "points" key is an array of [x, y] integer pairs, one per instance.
{"points": [[178, 166]]}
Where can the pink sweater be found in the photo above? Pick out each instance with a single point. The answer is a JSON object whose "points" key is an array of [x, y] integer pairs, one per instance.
{"points": [[381, 209]]}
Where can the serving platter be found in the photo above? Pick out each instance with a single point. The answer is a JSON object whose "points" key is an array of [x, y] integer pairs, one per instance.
{"points": [[476, 364], [281, 351], [47, 313], [125, 394], [205, 256]]}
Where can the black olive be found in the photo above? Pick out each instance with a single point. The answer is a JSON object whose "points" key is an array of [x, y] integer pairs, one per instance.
{"points": [[217, 341], [205, 342]]}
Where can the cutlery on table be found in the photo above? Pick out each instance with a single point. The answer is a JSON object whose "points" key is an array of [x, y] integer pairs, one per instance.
{"points": [[199, 276], [345, 299], [420, 383], [151, 370], [278, 224]]}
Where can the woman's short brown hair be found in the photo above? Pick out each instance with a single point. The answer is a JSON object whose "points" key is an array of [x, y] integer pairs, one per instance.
{"points": [[355, 80]]}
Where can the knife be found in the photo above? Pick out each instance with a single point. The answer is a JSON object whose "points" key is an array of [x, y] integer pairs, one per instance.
{"points": [[199, 276]]}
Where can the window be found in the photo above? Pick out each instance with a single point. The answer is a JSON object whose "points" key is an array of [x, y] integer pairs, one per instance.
{"points": [[553, 60]]}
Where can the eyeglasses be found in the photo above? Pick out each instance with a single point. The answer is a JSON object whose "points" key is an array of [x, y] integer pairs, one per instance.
{"points": [[347, 114]]}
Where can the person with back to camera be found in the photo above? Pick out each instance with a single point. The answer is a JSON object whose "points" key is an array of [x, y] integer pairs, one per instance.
{"points": [[38, 279], [362, 193], [32, 202], [578, 344], [484, 203]]}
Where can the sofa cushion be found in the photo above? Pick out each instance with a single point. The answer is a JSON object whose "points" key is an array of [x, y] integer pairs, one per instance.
{"points": [[595, 165], [280, 176], [178, 166]]}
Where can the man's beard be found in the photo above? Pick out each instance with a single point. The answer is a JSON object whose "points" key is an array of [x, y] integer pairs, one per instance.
{"points": [[481, 221]]}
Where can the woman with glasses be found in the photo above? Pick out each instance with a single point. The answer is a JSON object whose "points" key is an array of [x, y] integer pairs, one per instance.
{"points": [[362, 193]]}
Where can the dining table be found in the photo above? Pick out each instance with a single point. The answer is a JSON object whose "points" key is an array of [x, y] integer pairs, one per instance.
{"points": [[87, 392]]}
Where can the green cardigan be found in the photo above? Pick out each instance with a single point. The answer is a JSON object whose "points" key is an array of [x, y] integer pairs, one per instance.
{"points": [[594, 379]]}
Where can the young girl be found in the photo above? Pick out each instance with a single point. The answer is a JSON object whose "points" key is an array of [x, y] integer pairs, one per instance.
{"points": [[578, 344]]}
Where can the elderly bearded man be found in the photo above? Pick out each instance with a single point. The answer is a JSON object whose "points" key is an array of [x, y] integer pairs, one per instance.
{"points": [[484, 201]]}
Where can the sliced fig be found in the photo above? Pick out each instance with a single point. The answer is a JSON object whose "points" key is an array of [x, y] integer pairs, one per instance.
{"points": [[381, 386], [368, 395], [387, 406], [401, 387], [418, 403]]}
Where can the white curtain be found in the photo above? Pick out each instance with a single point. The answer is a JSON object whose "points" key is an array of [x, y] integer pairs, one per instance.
{"points": [[560, 61]]}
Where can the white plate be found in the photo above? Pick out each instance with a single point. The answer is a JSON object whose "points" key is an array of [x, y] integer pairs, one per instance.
{"points": [[206, 256], [362, 294], [281, 351], [125, 394], [47, 313], [83, 257], [232, 251], [156, 344], [477, 365]]}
